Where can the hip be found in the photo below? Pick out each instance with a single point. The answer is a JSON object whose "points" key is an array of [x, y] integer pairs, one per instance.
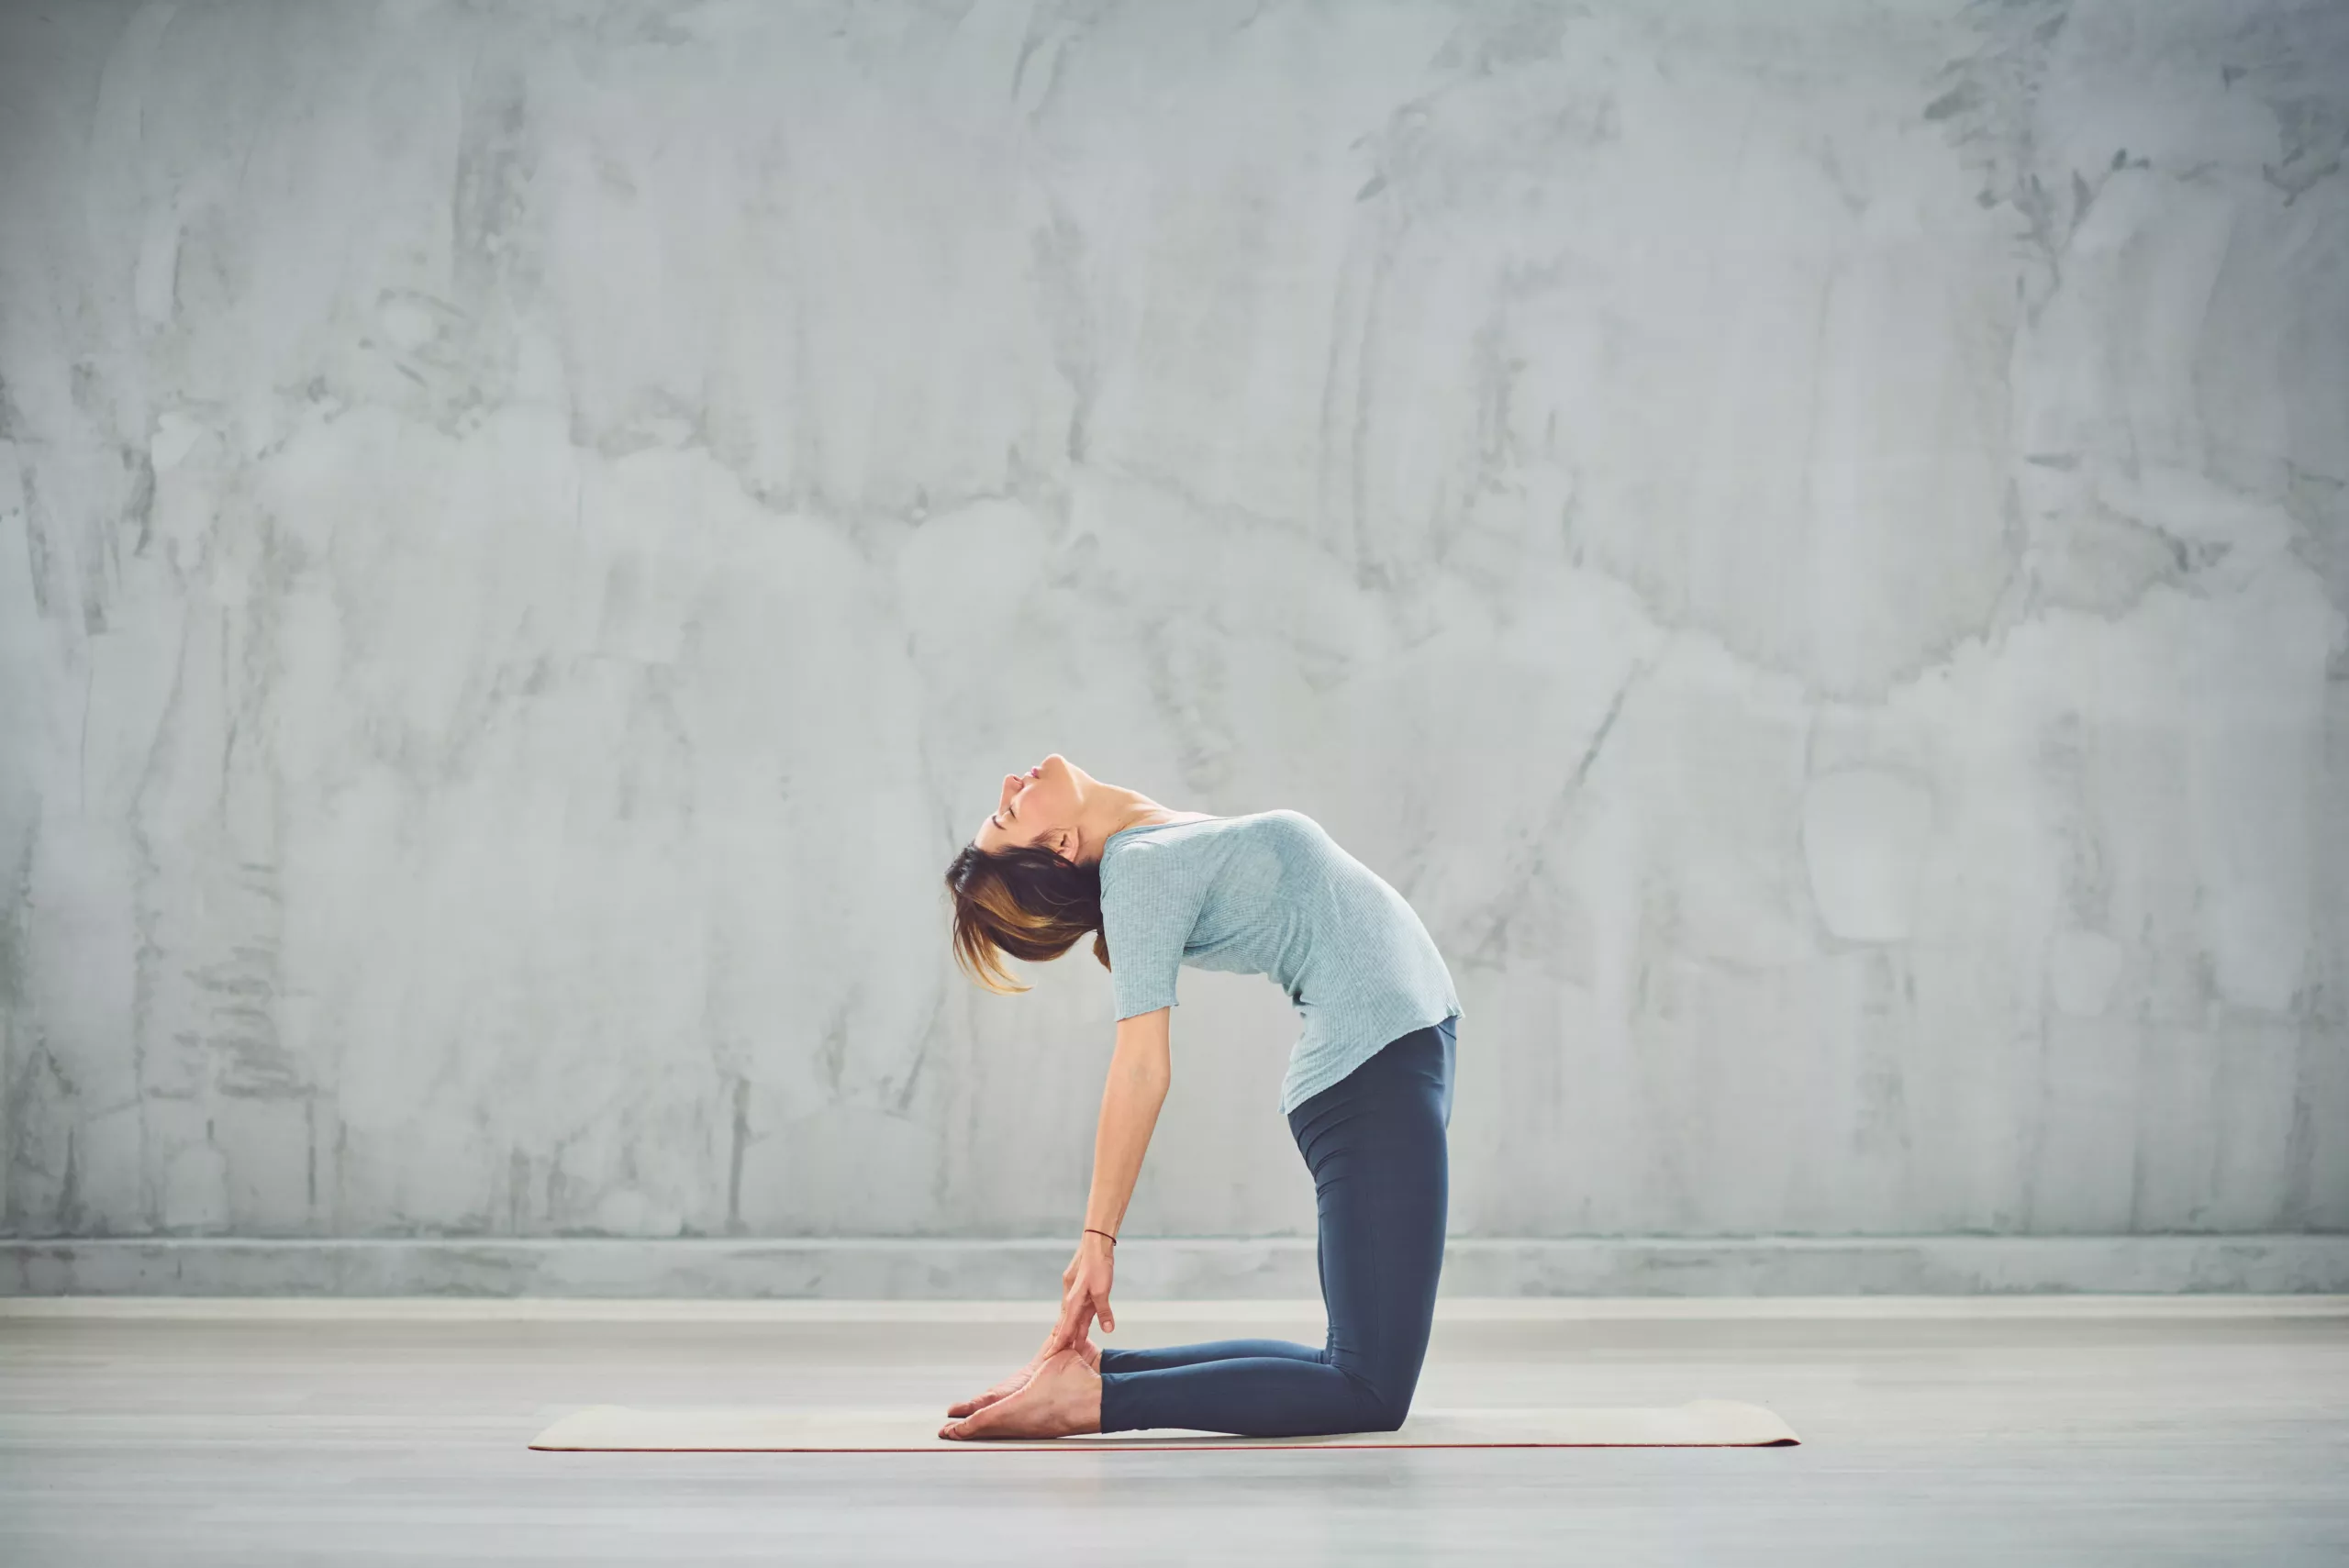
{"points": [[1412, 1072]]}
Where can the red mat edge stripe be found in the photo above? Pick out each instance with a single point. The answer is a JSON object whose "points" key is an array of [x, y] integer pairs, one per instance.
{"points": [[1013, 1445]]}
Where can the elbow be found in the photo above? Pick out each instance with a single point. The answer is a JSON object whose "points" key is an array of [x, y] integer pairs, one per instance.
{"points": [[1144, 1080], [1143, 1058]]}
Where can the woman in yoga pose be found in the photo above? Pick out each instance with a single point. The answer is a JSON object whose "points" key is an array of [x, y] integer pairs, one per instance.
{"points": [[1368, 1093]]}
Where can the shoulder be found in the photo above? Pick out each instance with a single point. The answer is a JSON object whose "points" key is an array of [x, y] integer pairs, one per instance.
{"points": [[1170, 865], [1127, 857], [1290, 827], [1130, 861]]}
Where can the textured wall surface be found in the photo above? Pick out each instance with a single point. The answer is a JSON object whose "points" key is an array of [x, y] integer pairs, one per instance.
{"points": [[1809, 542]]}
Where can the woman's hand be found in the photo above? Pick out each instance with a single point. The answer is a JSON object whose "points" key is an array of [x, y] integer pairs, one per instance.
{"points": [[1085, 1293]]}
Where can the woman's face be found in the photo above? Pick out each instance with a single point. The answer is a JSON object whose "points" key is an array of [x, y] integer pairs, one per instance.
{"points": [[1038, 807]]}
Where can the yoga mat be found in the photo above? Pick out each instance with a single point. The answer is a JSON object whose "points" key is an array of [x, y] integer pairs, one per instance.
{"points": [[1700, 1423]]}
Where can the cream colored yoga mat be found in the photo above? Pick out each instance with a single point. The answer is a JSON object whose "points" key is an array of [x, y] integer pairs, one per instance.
{"points": [[1701, 1423]]}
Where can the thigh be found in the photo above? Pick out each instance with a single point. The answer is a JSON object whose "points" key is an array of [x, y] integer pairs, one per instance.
{"points": [[1450, 1026], [1376, 1144]]}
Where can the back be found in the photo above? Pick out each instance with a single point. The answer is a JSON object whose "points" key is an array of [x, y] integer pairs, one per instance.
{"points": [[1272, 893]]}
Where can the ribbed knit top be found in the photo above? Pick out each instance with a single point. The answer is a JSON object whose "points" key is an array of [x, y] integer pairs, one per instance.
{"points": [[1272, 893]]}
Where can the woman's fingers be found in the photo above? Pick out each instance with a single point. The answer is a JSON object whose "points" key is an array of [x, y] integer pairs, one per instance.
{"points": [[1077, 1316], [1096, 1289], [1085, 1296], [1091, 1304]]}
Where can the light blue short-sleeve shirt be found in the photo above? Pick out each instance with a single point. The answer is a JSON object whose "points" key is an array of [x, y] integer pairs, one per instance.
{"points": [[1272, 893]]}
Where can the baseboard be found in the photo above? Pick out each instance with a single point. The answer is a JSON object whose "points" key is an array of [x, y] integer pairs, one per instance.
{"points": [[1172, 1268]]}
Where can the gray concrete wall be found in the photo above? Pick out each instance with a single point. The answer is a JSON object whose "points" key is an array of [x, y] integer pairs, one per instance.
{"points": [[1810, 542]]}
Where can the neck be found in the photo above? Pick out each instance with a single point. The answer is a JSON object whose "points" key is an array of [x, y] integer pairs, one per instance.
{"points": [[1110, 809]]}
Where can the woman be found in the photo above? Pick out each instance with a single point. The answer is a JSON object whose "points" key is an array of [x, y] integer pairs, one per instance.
{"points": [[1367, 1093]]}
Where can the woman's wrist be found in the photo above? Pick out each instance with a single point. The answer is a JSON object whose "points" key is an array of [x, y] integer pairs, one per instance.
{"points": [[1090, 1231]]}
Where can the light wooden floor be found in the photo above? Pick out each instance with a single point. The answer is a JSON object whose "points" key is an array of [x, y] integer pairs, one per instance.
{"points": [[2001, 1440]]}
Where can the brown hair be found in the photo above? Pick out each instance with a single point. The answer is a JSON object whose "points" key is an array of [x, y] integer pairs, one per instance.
{"points": [[1022, 901]]}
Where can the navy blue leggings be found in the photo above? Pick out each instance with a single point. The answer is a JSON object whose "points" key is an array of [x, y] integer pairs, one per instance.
{"points": [[1374, 1144]]}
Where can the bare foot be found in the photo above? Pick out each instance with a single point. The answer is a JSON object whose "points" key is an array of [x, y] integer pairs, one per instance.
{"points": [[1062, 1399], [1085, 1349]]}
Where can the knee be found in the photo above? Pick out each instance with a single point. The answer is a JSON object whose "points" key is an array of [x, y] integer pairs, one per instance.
{"points": [[1380, 1409]]}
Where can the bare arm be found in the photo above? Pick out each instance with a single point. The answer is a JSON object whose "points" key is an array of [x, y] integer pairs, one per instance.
{"points": [[1139, 1072]]}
